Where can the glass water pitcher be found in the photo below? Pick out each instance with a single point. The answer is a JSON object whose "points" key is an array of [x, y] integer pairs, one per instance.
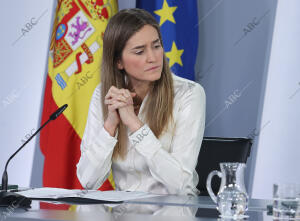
{"points": [[232, 198]]}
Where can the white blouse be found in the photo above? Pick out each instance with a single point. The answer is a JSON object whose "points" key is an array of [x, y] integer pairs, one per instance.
{"points": [[164, 165]]}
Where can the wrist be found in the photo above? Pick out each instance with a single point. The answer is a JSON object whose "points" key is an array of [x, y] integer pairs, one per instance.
{"points": [[110, 127], [135, 125]]}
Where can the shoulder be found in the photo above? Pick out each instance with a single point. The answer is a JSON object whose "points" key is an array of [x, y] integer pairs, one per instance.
{"points": [[184, 88]]}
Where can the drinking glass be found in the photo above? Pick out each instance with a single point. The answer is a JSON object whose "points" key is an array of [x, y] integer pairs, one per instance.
{"points": [[286, 201]]}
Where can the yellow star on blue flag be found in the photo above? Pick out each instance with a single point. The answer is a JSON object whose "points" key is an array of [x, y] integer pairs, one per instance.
{"points": [[174, 55], [166, 13], [178, 24]]}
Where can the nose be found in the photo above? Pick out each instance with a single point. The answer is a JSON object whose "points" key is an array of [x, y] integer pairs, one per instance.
{"points": [[151, 56]]}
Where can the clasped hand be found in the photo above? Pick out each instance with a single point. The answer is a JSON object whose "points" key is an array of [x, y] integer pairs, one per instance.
{"points": [[120, 108]]}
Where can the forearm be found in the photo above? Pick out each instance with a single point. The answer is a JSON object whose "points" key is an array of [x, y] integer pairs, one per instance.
{"points": [[110, 128], [135, 124], [91, 176], [171, 169], [95, 161]]}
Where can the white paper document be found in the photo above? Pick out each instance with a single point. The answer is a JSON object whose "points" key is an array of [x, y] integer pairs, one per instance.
{"points": [[57, 193], [117, 195]]}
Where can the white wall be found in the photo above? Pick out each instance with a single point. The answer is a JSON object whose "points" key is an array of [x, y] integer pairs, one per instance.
{"points": [[279, 142], [23, 61], [126, 4]]}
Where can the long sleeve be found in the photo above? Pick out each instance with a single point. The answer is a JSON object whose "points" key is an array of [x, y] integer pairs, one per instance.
{"points": [[176, 168], [96, 147]]}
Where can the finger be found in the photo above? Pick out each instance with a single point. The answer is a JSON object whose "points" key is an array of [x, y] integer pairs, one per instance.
{"points": [[112, 91], [112, 94], [122, 92], [109, 90], [108, 95], [109, 101], [113, 101], [128, 96], [113, 88], [124, 95], [123, 99], [118, 105], [116, 90], [113, 107], [127, 92], [120, 98]]}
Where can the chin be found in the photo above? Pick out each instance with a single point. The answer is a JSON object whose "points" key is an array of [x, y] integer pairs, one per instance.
{"points": [[155, 76]]}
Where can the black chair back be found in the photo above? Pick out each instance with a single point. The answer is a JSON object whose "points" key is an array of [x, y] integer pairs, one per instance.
{"points": [[215, 150]]}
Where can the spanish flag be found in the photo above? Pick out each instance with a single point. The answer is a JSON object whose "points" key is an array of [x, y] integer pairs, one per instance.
{"points": [[73, 73]]}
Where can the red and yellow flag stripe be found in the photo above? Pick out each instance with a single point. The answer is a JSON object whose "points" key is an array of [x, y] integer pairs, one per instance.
{"points": [[73, 73]]}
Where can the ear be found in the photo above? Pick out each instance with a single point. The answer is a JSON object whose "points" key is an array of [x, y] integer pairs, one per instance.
{"points": [[120, 65]]}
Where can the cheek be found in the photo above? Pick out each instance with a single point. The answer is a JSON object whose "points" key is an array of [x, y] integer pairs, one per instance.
{"points": [[132, 63], [160, 55]]}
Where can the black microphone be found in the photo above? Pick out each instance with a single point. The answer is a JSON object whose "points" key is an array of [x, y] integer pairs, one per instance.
{"points": [[9, 198], [58, 112]]}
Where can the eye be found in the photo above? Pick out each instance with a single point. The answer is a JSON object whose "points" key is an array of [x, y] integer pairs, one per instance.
{"points": [[139, 52], [157, 46]]}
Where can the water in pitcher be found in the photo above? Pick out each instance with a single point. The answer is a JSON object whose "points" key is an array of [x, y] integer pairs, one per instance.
{"points": [[232, 202]]}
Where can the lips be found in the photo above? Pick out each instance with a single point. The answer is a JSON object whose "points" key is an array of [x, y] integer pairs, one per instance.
{"points": [[152, 68]]}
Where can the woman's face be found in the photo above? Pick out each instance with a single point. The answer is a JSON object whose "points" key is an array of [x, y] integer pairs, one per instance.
{"points": [[142, 56]]}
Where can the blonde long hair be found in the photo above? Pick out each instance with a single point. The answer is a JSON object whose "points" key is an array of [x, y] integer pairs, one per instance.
{"points": [[159, 106]]}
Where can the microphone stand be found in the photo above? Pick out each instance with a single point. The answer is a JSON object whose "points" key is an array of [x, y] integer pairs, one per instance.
{"points": [[11, 198]]}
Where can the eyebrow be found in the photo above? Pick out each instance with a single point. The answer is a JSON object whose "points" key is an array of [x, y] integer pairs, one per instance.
{"points": [[142, 46]]}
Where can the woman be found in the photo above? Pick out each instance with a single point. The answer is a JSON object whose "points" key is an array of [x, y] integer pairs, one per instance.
{"points": [[144, 123]]}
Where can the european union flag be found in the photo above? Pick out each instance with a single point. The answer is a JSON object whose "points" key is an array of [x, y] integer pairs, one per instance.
{"points": [[178, 24]]}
